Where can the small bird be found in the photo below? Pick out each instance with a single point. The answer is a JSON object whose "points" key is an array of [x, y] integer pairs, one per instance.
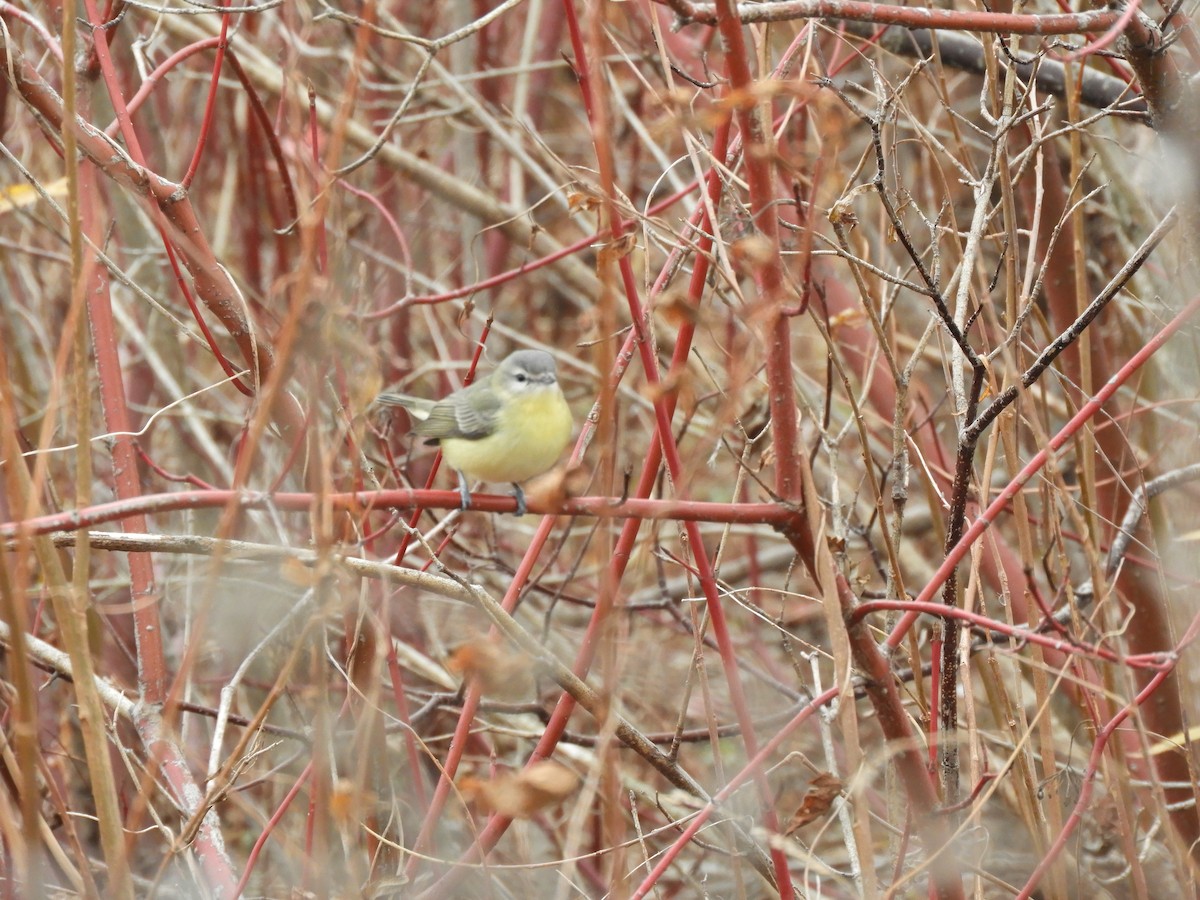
{"points": [[509, 425]]}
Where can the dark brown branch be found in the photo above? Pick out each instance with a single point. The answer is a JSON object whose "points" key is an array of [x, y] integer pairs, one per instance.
{"points": [[965, 54], [1072, 333]]}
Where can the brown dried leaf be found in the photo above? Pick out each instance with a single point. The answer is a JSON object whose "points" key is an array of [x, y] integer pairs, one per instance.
{"points": [[497, 668], [751, 252], [583, 200], [682, 385], [664, 388], [821, 793], [521, 794], [464, 313], [347, 800], [618, 249], [554, 487], [673, 308]]}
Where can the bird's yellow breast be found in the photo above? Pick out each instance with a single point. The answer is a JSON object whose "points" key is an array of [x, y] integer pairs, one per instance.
{"points": [[532, 430]]}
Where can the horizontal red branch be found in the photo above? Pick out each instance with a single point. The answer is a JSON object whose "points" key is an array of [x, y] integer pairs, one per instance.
{"points": [[1152, 661], [906, 16], [365, 501]]}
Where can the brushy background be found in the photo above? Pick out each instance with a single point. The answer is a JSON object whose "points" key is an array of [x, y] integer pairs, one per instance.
{"points": [[810, 263]]}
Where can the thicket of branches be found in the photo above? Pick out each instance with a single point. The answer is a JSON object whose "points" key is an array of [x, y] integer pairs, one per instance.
{"points": [[870, 574]]}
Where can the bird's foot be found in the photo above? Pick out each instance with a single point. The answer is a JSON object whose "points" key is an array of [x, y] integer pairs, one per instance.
{"points": [[520, 497], [464, 491]]}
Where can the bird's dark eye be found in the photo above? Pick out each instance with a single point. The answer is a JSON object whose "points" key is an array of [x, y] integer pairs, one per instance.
{"points": [[522, 377]]}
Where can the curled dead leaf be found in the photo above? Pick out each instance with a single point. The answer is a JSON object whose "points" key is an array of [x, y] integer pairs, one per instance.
{"points": [[347, 801], [522, 794], [664, 388], [673, 309], [557, 485], [751, 252], [585, 199], [613, 251], [577, 480], [822, 791], [464, 313], [497, 668]]}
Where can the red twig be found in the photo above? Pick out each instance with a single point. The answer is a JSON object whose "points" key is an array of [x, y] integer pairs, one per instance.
{"points": [[1114, 31], [905, 16], [1149, 661], [748, 771], [511, 274], [1089, 775], [212, 283], [1031, 468], [401, 498], [210, 104], [153, 678], [768, 276], [38, 27], [261, 840]]}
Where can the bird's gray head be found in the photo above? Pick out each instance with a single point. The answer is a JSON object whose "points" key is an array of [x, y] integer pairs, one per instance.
{"points": [[527, 370]]}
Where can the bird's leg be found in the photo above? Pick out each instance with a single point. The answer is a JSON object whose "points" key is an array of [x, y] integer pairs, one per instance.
{"points": [[520, 495], [464, 491]]}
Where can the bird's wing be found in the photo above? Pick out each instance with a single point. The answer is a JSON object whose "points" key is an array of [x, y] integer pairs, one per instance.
{"points": [[418, 407], [470, 414]]}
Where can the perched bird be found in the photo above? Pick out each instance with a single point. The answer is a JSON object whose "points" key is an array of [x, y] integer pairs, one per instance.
{"points": [[509, 425]]}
